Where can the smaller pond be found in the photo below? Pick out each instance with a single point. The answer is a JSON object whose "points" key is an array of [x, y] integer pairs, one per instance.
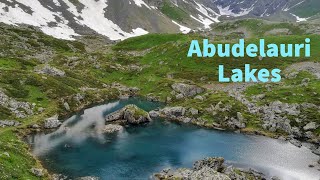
{"points": [[77, 150]]}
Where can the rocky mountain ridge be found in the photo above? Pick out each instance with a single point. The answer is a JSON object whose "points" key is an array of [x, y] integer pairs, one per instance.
{"points": [[121, 19]]}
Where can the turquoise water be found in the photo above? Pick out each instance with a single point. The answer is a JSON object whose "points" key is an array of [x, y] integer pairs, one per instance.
{"points": [[78, 150]]}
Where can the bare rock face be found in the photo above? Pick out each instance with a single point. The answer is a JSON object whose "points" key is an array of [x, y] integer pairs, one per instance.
{"points": [[131, 114]]}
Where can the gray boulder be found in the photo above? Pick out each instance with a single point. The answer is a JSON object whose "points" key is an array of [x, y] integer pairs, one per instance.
{"points": [[194, 111], [310, 126], [66, 106], [198, 97], [154, 114], [37, 172], [52, 122], [179, 96]]}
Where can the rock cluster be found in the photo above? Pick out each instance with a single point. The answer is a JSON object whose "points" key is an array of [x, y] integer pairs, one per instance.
{"points": [[185, 90], [9, 123], [125, 91], [275, 116], [49, 70], [175, 113], [208, 168], [130, 114], [19, 109], [237, 122]]}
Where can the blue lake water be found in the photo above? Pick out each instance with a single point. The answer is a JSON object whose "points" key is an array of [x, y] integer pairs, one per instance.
{"points": [[77, 149]]}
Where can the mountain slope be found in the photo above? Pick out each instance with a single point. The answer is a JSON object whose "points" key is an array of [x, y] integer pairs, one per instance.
{"points": [[121, 19]]}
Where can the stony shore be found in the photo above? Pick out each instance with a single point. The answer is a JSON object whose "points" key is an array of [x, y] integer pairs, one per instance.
{"points": [[209, 168]]}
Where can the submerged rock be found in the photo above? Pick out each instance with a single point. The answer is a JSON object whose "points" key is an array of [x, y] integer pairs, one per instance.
{"points": [[89, 178], [130, 114], [112, 128]]}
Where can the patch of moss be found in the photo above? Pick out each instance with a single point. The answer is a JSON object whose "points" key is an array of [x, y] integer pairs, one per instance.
{"points": [[20, 162]]}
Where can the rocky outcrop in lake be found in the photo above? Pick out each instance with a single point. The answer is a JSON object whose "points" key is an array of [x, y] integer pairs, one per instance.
{"points": [[130, 114], [208, 168]]}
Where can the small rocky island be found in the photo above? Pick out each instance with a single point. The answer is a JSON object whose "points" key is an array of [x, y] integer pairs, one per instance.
{"points": [[129, 115]]}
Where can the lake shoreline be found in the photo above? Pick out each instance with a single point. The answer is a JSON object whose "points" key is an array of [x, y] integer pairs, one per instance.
{"points": [[210, 128]]}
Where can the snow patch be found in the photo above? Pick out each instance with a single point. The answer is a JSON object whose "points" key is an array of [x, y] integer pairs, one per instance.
{"points": [[183, 29], [140, 3], [299, 19], [206, 11], [205, 21], [40, 17], [93, 17], [56, 2], [228, 12]]}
